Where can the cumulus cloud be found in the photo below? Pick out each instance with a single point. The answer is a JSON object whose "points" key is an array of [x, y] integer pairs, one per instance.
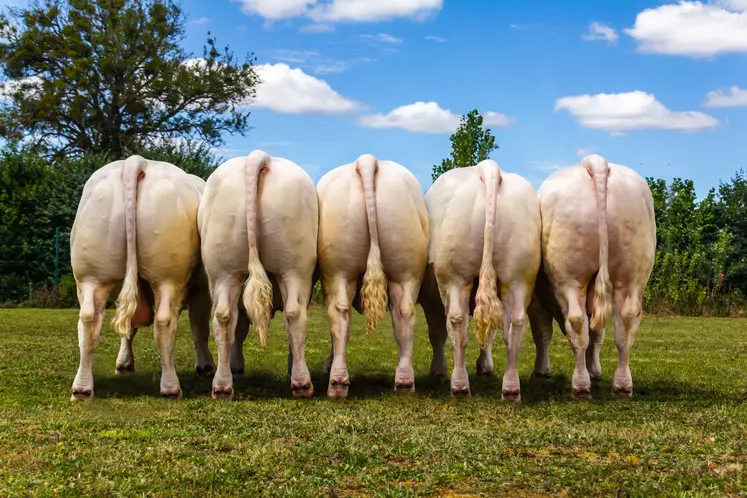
{"points": [[292, 91], [425, 117], [692, 29], [735, 97], [599, 31], [622, 112], [438, 39], [324, 11]]}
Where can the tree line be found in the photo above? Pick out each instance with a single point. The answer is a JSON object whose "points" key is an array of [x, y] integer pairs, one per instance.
{"points": [[90, 81]]}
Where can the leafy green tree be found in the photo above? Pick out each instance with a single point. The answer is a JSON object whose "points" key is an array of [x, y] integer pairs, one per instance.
{"points": [[104, 76], [733, 218], [470, 144]]}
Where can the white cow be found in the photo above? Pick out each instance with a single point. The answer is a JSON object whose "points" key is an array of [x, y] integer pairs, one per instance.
{"points": [[485, 230], [373, 236], [259, 216], [136, 229], [598, 245]]}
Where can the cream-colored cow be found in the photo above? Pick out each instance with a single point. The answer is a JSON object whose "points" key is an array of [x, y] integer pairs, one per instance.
{"points": [[136, 229], [598, 246], [258, 222], [373, 233], [485, 230]]}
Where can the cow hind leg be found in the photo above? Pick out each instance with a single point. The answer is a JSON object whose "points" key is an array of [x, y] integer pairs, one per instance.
{"points": [[627, 321], [572, 302], [338, 311], [237, 361], [457, 324], [92, 298], [126, 359], [402, 305], [168, 305], [199, 323], [295, 294], [435, 316], [484, 364], [540, 321], [225, 317], [514, 326]]}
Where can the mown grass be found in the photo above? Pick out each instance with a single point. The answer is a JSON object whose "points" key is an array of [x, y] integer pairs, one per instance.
{"points": [[683, 433]]}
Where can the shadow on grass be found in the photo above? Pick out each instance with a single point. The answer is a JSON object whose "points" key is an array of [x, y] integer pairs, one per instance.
{"points": [[268, 385]]}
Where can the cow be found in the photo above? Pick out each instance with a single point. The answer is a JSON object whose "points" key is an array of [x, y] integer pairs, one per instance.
{"points": [[135, 233], [373, 240], [598, 246], [258, 223], [485, 235]]}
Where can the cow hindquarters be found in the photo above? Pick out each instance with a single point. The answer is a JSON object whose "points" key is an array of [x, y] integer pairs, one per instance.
{"points": [[169, 298], [92, 298], [402, 298], [296, 293]]}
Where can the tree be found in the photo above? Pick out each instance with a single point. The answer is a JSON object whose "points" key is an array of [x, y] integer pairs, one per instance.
{"points": [[470, 144], [107, 76]]}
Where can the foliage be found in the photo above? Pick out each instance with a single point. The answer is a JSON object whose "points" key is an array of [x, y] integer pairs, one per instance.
{"points": [[698, 249], [470, 144], [683, 434], [39, 198], [107, 76]]}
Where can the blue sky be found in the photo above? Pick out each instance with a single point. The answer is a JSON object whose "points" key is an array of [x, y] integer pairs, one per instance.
{"points": [[391, 77]]}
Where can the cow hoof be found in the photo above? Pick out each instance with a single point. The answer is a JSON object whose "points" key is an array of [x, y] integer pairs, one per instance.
{"points": [[460, 391], [82, 395], [404, 387], [239, 372], [224, 393], [511, 395], [174, 394], [125, 369], [302, 389], [338, 387], [623, 391], [581, 393], [206, 371]]}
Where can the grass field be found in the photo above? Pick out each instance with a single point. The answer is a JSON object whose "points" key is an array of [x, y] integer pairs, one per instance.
{"points": [[684, 432]]}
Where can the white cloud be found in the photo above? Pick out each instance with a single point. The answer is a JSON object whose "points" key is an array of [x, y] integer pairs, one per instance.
{"points": [[549, 166], [425, 117], [621, 112], [201, 21], [9, 87], [599, 31], [382, 37], [342, 10], [692, 29], [434, 38], [317, 28], [277, 9], [292, 91], [309, 59], [736, 97], [585, 151], [491, 119]]}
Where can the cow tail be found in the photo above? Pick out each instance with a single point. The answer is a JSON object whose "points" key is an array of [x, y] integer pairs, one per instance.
{"points": [[488, 308], [133, 171], [373, 291]]}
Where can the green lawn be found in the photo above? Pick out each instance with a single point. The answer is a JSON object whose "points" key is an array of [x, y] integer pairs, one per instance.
{"points": [[684, 432]]}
